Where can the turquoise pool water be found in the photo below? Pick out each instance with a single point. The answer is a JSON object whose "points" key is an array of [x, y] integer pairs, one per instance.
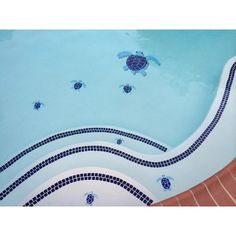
{"points": [[168, 104]]}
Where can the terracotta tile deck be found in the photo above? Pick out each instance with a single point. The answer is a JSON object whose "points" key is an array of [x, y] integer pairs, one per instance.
{"points": [[218, 190]]}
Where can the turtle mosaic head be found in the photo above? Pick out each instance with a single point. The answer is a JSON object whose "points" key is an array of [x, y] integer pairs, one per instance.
{"points": [[139, 53]]}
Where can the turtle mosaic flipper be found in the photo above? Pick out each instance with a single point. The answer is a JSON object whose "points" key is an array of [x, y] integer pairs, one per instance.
{"points": [[124, 54], [137, 62], [154, 59], [143, 72], [125, 68]]}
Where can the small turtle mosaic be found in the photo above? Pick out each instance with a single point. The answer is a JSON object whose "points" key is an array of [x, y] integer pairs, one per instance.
{"points": [[78, 84], [165, 182], [90, 198], [127, 88], [119, 141], [37, 105]]}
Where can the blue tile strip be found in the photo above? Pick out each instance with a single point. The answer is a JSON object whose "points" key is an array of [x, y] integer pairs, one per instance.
{"points": [[127, 156], [90, 176], [81, 131]]}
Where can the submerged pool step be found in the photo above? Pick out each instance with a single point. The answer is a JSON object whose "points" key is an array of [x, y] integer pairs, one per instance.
{"points": [[82, 131], [90, 177]]}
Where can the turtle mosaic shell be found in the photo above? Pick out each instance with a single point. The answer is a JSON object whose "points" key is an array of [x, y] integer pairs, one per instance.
{"points": [[136, 62]]}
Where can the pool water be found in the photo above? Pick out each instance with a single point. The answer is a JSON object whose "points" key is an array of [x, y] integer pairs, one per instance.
{"points": [[165, 106], [168, 104]]}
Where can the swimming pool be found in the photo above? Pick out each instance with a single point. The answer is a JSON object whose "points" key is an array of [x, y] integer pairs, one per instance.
{"points": [[145, 143]]}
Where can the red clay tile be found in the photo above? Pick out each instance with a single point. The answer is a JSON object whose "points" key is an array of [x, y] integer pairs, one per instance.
{"points": [[186, 199], [202, 196], [170, 202], [229, 183], [156, 204], [232, 168], [219, 194]]}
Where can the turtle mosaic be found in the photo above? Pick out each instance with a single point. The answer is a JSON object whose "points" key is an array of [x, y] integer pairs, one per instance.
{"points": [[165, 182], [37, 105], [90, 197], [78, 84], [137, 63], [119, 141], [127, 88]]}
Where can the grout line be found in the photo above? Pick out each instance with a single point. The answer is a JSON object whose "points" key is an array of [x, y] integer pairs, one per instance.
{"points": [[194, 197], [231, 174], [210, 194], [178, 201], [231, 197]]}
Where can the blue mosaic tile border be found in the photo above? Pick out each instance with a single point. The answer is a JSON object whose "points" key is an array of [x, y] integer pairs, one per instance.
{"points": [[81, 131], [90, 176], [129, 157]]}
